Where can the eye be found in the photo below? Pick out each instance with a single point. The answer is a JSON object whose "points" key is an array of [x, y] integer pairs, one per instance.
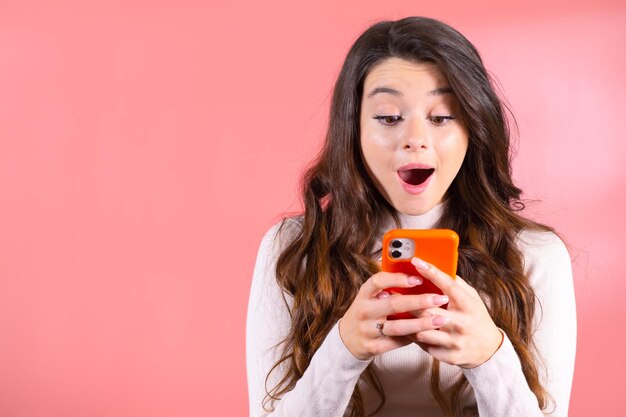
{"points": [[388, 120], [440, 120]]}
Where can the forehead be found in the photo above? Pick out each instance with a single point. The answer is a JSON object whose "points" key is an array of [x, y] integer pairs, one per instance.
{"points": [[404, 74]]}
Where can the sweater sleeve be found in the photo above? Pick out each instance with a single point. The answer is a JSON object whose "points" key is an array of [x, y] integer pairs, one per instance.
{"points": [[327, 384], [499, 384]]}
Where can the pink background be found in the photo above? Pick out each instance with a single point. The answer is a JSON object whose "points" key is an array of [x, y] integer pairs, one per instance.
{"points": [[146, 146]]}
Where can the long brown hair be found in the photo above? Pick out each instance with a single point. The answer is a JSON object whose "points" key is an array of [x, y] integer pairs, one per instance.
{"points": [[332, 252]]}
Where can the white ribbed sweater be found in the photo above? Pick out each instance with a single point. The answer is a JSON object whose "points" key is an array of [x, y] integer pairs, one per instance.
{"points": [[497, 388]]}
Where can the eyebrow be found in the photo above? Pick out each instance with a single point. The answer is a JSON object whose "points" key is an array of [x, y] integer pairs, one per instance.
{"points": [[441, 91], [394, 92], [388, 90]]}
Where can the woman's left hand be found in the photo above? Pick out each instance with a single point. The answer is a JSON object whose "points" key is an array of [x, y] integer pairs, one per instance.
{"points": [[470, 337]]}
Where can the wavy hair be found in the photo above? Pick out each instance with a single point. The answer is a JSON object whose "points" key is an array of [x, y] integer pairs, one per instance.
{"points": [[332, 252]]}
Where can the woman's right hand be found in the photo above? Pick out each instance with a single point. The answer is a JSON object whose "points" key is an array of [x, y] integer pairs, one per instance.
{"points": [[358, 327]]}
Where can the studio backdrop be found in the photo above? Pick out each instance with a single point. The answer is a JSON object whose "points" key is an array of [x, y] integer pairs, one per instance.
{"points": [[146, 146]]}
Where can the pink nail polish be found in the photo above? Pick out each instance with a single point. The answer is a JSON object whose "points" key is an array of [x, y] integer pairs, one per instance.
{"points": [[419, 264], [440, 299], [440, 321], [414, 280]]}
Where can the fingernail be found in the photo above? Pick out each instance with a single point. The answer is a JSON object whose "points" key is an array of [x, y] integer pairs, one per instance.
{"points": [[414, 280], [383, 294], [440, 299], [440, 321], [419, 264]]}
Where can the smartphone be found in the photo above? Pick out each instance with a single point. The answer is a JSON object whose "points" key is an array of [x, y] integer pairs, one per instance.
{"points": [[435, 246]]}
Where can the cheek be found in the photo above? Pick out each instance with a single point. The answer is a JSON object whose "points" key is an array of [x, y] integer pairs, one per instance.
{"points": [[380, 143], [377, 151], [453, 151], [376, 141], [458, 155]]}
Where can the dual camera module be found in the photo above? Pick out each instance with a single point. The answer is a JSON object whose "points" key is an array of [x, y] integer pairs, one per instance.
{"points": [[400, 249]]}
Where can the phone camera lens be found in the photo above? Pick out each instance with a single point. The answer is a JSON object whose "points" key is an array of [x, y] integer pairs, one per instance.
{"points": [[396, 254], [396, 244]]}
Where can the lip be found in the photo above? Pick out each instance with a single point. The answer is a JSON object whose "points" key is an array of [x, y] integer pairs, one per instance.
{"points": [[414, 189], [414, 166]]}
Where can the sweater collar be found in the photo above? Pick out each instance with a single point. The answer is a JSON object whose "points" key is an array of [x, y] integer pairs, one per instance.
{"points": [[428, 220]]}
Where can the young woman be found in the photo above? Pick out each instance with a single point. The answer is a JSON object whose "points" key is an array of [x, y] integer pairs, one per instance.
{"points": [[417, 139]]}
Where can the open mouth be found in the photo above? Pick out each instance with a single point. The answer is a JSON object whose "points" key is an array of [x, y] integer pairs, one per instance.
{"points": [[415, 176]]}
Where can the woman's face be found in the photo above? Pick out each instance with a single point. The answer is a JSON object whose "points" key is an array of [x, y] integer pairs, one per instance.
{"points": [[412, 138]]}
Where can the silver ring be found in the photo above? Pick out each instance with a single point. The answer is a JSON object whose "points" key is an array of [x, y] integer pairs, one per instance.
{"points": [[380, 326]]}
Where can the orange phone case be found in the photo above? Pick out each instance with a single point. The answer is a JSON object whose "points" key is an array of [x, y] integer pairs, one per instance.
{"points": [[436, 246]]}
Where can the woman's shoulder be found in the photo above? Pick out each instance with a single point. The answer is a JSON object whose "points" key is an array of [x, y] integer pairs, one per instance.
{"points": [[539, 240], [544, 252], [283, 232], [274, 241]]}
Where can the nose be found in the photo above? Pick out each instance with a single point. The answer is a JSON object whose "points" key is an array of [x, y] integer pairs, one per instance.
{"points": [[416, 136]]}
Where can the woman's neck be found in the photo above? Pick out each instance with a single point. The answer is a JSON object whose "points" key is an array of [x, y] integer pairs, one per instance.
{"points": [[427, 220]]}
